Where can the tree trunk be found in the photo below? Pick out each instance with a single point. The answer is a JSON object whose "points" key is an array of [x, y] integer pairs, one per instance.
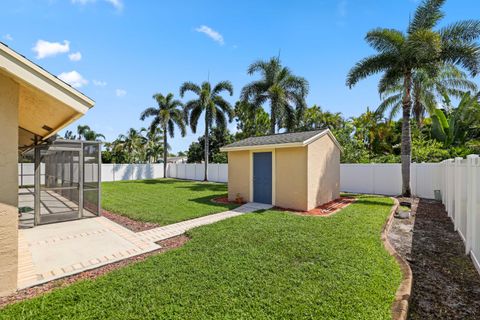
{"points": [[273, 118], [206, 145], [165, 151], [406, 147], [417, 107]]}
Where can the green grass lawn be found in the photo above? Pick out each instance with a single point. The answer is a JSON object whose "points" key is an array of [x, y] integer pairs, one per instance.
{"points": [[163, 201], [256, 266]]}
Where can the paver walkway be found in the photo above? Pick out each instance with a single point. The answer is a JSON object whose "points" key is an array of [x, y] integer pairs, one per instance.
{"points": [[54, 251]]}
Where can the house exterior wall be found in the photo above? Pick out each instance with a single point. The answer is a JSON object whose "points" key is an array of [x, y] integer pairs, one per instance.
{"points": [[323, 172], [9, 97], [239, 175], [291, 178]]}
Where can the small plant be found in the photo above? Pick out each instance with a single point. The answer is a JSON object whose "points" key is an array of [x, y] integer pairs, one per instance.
{"points": [[239, 199]]}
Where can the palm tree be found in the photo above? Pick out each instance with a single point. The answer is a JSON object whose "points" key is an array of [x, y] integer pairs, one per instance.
{"points": [[166, 116], [212, 104], [88, 134], [132, 143], [427, 92], [400, 54], [154, 146], [279, 86]]}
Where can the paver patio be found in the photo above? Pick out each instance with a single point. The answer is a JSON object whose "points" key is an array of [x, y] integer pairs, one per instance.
{"points": [[54, 251]]}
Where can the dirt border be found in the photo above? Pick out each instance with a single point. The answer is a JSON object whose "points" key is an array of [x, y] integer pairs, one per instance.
{"points": [[399, 307]]}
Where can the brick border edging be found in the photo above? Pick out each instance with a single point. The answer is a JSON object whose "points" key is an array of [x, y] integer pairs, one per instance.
{"points": [[399, 307]]}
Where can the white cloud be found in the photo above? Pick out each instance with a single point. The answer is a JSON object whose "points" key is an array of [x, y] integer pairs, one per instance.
{"points": [[49, 49], [117, 4], [82, 1], [73, 78], [214, 35], [76, 56], [342, 8], [8, 37], [120, 93], [99, 83]]}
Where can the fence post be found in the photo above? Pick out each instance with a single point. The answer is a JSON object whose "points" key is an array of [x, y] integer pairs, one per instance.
{"points": [[471, 187], [457, 193], [450, 188]]}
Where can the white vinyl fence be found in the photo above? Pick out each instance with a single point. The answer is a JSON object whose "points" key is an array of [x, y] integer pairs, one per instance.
{"points": [[460, 194], [118, 172], [217, 172], [386, 178]]}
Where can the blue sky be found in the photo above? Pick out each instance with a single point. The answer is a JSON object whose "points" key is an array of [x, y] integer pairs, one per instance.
{"points": [[121, 52]]}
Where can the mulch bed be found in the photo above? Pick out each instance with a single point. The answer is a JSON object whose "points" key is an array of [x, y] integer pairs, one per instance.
{"points": [[224, 200], [133, 225], [168, 244], [446, 284], [326, 209]]}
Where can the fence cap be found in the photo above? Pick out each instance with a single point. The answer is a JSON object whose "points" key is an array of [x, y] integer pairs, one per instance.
{"points": [[472, 156]]}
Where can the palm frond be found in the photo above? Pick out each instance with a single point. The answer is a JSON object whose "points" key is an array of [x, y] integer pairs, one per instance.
{"points": [[467, 55], [220, 120], [223, 86], [392, 78], [194, 116], [224, 106], [427, 15], [369, 66], [384, 40], [463, 31], [149, 112], [189, 86], [388, 103]]}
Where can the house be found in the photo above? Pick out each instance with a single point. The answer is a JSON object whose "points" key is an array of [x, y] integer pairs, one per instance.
{"points": [[176, 160], [297, 171], [34, 106]]}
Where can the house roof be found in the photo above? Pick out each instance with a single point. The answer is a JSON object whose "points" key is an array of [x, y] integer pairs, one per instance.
{"points": [[176, 158], [31, 73], [281, 140], [46, 104]]}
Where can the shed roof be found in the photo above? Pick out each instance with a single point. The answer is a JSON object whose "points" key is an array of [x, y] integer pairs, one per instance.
{"points": [[281, 140]]}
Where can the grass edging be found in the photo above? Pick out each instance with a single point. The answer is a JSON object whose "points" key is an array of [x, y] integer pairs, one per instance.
{"points": [[402, 296]]}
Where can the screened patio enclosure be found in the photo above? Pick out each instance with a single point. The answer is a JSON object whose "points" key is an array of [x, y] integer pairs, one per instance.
{"points": [[67, 176]]}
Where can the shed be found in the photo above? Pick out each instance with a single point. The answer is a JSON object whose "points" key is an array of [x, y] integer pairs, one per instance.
{"points": [[299, 170]]}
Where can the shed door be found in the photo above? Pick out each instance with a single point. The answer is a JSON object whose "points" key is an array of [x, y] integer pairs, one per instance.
{"points": [[262, 177]]}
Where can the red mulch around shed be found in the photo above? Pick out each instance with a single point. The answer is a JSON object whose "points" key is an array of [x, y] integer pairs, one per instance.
{"points": [[326, 209]]}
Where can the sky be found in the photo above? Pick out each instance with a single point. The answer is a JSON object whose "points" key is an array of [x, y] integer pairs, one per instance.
{"points": [[121, 52]]}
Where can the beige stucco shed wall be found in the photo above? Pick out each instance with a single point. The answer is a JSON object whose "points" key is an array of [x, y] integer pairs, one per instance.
{"points": [[323, 172], [239, 175], [291, 178], [9, 99]]}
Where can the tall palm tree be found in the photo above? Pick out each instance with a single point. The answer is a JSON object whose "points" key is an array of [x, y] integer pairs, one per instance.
{"points": [[427, 92], [279, 86], [211, 103], [166, 116], [400, 54]]}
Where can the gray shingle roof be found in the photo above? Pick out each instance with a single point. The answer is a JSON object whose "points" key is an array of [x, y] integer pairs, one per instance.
{"points": [[275, 139]]}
